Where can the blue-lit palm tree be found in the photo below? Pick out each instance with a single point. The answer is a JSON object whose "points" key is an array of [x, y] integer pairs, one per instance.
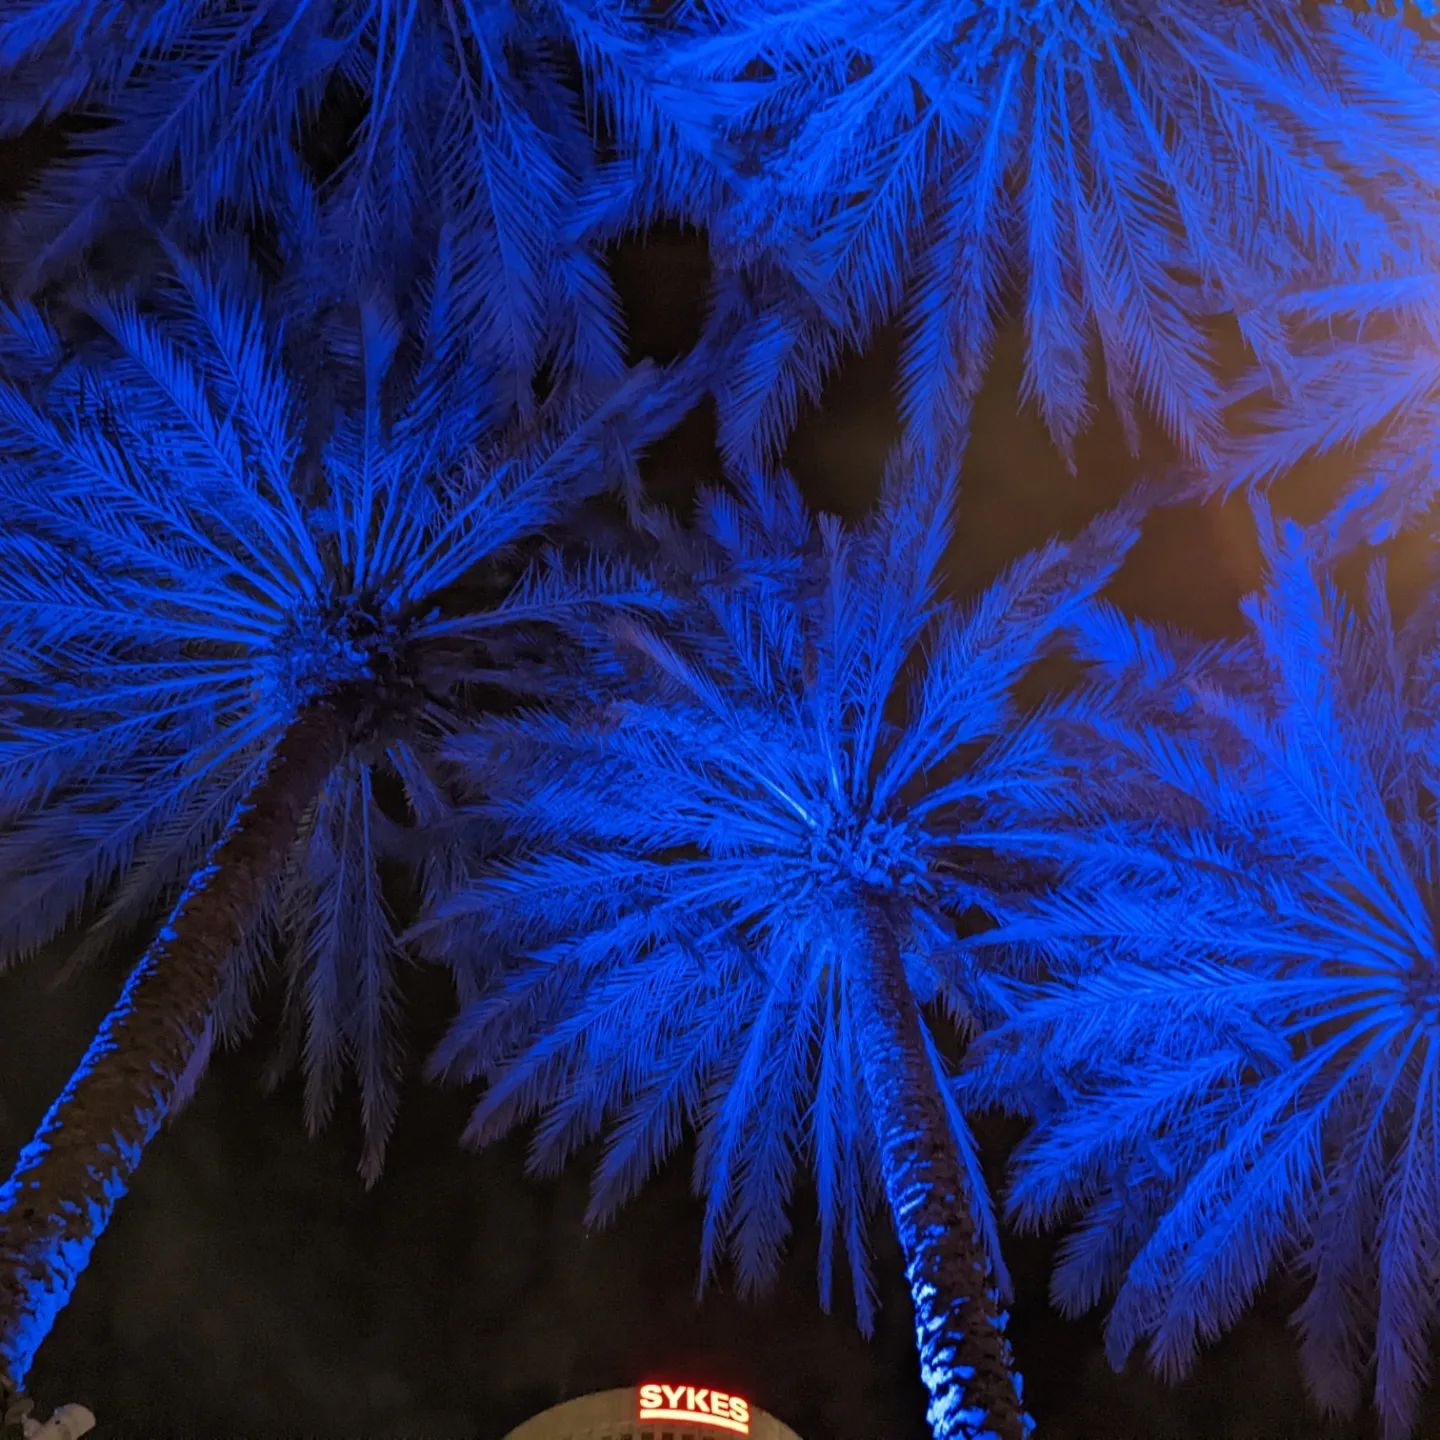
{"points": [[1133, 168], [465, 111], [240, 605], [743, 871], [1363, 384], [1236, 1067]]}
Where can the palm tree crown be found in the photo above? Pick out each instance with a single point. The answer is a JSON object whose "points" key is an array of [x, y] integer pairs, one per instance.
{"points": [[701, 850], [197, 547], [1136, 167], [1237, 1069]]}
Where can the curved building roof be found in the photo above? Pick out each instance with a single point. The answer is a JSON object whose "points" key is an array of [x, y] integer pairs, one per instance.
{"points": [[655, 1411]]}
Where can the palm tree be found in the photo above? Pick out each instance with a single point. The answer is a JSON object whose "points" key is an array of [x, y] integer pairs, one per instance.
{"points": [[743, 871], [1234, 1069], [1133, 168], [1364, 384], [239, 607], [412, 112]]}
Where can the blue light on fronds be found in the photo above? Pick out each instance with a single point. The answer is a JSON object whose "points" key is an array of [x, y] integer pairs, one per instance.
{"points": [[1364, 382], [197, 547], [1133, 167], [810, 745], [1236, 1070], [428, 112]]}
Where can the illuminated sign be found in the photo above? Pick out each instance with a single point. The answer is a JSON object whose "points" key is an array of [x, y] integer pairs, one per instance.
{"points": [[690, 1402]]}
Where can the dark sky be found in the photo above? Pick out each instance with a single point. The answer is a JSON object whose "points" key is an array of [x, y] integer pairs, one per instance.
{"points": [[250, 1286]]}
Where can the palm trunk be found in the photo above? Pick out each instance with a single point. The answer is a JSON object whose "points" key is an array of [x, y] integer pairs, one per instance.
{"points": [[965, 1359], [70, 1176]]}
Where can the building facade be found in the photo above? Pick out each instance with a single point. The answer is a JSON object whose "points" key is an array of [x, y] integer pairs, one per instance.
{"points": [[655, 1410]]}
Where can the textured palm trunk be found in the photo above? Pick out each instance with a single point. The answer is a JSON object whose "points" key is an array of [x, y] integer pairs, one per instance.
{"points": [[70, 1176], [965, 1359]]}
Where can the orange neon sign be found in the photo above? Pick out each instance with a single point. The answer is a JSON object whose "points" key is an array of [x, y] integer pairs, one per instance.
{"points": [[691, 1402]]}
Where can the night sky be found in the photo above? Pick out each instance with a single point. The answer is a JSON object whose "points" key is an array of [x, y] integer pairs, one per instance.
{"points": [[251, 1287]]}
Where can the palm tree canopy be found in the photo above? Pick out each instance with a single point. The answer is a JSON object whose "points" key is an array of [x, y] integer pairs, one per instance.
{"points": [[816, 722], [1133, 167], [1363, 389], [408, 111], [196, 545], [1235, 1068]]}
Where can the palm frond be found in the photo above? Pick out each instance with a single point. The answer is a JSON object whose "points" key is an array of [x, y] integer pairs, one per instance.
{"points": [[1128, 168], [764, 743], [202, 537], [1230, 1066], [458, 119]]}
